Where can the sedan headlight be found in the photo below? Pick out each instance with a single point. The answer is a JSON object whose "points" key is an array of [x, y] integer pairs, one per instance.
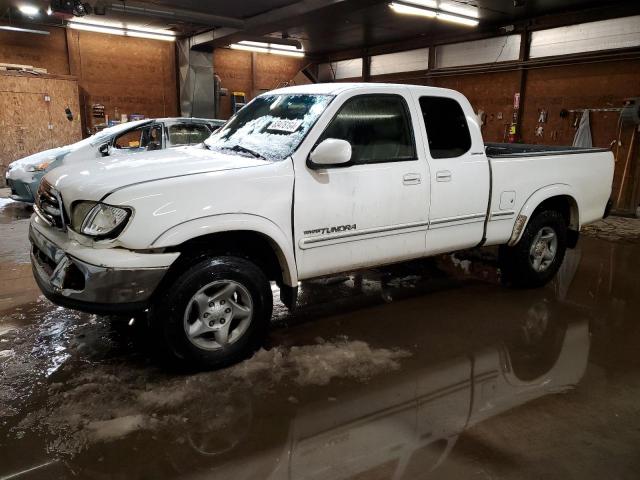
{"points": [[99, 220], [41, 167]]}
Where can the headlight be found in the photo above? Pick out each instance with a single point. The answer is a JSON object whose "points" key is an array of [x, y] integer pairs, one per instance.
{"points": [[99, 220], [41, 167]]}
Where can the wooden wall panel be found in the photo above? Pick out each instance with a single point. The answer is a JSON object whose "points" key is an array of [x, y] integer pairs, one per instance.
{"points": [[134, 75], [42, 51], [25, 115], [274, 71]]}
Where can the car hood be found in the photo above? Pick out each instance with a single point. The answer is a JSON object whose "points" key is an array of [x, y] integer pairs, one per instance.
{"points": [[94, 180], [37, 158]]}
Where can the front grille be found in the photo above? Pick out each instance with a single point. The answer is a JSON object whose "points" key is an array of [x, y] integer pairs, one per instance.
{"points": [[45, 262], [49, 205]]}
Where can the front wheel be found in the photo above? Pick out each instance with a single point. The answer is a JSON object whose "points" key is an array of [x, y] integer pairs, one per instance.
{"points": [[537, 257], [215, 313]]}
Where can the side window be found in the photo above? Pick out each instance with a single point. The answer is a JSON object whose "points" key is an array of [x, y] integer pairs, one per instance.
{"points": [[446, 126], [188, 133], [152, 138], [131, 139], [378, 127]]}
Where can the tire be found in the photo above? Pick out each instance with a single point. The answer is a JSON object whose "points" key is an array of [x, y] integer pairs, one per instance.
{"points": [[213, 295], [518, 263]]}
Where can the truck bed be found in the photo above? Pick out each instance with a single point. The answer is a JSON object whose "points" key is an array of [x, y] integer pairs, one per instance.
{"points": [[501, 150]]}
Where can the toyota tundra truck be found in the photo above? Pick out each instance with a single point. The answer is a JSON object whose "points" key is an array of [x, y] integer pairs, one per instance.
{"points": [[303, 182]]}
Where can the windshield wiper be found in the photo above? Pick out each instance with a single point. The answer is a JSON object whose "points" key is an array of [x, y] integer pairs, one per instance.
{"points": [[240, 148]]}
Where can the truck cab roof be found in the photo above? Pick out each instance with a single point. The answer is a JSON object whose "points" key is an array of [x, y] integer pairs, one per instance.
{"points": [[336, 88]]}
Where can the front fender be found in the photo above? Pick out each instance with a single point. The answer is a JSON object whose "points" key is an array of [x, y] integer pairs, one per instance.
{"points": [[534, 200], [234, 222]]}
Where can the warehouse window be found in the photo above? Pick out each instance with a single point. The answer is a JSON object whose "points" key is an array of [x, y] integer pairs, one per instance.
{"points": [[378, 128], [447, 129], [188, 134]]}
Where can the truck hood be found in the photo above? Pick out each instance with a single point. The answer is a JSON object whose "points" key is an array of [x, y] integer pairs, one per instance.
{"points": [[94, 180]]}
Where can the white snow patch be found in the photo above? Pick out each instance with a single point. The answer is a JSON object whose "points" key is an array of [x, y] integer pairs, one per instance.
{"points": [[6, 201], [464, 265], [109, 402], [107, 430], [319, 364], [404, 282], [6, 353]]}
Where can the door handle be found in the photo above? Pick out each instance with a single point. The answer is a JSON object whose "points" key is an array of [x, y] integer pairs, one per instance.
{"points": [[443, 176], [411, 179]]}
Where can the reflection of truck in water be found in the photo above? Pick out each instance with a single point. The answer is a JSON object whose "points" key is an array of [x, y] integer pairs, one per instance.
{"points": [[405, 428], [425, 414]]}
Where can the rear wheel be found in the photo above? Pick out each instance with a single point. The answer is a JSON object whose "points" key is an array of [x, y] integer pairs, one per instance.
{"points": [[537, 257], [215, 313]]}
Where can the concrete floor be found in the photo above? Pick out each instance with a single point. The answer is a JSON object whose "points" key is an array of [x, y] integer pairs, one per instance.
{"points": [[425, 370]]}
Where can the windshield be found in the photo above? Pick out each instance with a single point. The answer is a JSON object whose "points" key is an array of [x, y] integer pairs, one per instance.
{"points": [[271, 126]]}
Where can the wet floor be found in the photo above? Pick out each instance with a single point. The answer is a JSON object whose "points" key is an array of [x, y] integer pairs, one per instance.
{"points": [[430, 369]]}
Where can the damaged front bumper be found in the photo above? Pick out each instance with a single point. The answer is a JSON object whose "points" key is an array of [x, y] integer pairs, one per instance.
{"points": [[69, 280]]}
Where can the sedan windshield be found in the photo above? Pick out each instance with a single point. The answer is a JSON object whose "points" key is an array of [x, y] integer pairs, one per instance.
{"points": [[271, 126]]}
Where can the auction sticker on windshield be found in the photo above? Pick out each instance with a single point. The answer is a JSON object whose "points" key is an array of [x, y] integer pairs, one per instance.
{"points": [[285, 125]]}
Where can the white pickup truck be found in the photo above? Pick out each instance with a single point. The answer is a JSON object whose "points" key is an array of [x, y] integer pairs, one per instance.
{"points": [[303, 182]]}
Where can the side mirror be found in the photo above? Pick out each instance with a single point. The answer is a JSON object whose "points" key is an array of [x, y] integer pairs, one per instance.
{"points": [[104, 149], [330, 152], [153, 146]]}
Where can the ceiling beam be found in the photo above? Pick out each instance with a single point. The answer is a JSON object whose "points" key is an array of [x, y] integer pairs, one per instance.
{"points": [[485, 30], [172, 13], [280, 19]]}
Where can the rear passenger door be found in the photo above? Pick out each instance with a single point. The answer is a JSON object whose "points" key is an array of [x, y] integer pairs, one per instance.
{"points": [[375, 208], [460, 174]]}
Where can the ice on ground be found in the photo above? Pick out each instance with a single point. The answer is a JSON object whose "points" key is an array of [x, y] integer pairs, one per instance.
{"points": [[464, 265], [5, 201], [6, 353], [321, 363], [614, 229], [110, 402], [404, 282], [106, 430]]}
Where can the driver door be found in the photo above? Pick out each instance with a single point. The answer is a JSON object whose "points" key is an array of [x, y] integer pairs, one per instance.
{"points": [[373, 209]]}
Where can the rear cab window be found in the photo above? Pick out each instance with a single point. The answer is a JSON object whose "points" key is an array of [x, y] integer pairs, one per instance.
{"points": [[378, 127], [446, 125]]}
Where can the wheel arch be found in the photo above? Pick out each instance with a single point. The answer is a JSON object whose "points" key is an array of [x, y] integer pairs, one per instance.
{"points": [[558, 197], [256, 237]]}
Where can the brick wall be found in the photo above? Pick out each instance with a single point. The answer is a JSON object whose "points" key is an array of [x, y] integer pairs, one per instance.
{"points": [[594, 85], [252, 73]]}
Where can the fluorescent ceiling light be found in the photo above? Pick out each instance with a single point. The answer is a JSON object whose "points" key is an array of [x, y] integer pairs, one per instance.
{"points": [[29, 10], [117, 28], [95, 28], [449, 17], [407, 10], [460, 9], [23, 30], [121, 25], [464, 15], [424, 3], [264, 47]]}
